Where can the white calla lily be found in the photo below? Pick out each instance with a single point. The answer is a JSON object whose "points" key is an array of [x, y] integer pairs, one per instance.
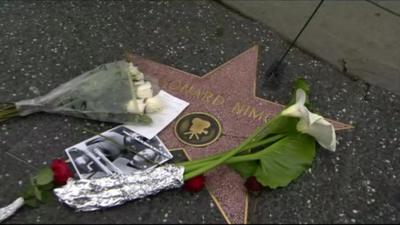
{"points": [[311, 123]]}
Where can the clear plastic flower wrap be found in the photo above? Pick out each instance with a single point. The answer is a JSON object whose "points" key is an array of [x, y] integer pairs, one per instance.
{"points": [[114, 92]]}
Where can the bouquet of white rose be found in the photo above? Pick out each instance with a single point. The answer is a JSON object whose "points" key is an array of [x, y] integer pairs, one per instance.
{"points": [[114, 92], [273, 156]]}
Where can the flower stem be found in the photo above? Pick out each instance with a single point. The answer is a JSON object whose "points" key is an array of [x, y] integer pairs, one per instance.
{"points": [[8, 111], [228, 155], [189, 164], [237, 159], [234, 159]]}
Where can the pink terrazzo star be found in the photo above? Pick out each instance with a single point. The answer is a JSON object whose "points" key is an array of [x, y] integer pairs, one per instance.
{"points": [[228, 93]]}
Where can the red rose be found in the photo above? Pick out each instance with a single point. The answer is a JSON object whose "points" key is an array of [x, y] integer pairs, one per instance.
{"points": [[253, 185], [195, 184], [61, 172]]}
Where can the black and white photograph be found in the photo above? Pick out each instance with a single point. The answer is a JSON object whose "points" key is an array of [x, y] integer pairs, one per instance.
{"points": [[86, 164], [119, 150]]}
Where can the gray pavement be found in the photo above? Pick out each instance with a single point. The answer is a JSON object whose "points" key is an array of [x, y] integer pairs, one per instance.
{"points": [[358, 37], [45, 43]]}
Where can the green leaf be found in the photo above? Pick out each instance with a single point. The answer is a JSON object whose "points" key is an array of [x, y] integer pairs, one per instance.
{"points": [[139, 119], [32, 191], [47, 187], [44, 177], [283, 124], [29, 193], [245, 169], [278, 125], [301, 83], [286, 160], [38, 193], [32, 202], [47, 196]]}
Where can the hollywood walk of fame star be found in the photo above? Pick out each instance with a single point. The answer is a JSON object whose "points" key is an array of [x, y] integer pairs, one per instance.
{"points": [[228, 94]]}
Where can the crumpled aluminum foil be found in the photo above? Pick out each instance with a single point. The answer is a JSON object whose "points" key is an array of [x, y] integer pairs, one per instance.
{"points": [[94, 194]]}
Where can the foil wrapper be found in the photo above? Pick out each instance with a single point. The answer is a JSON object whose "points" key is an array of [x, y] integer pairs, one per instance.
{"points": [[94, 194], [11, 209]]}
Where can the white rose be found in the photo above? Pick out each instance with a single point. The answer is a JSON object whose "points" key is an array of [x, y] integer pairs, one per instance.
{"points": [[144, 91], [153, 104], [133, 69], [134, 72], [139, 76], [136, 106], [140, 82]]}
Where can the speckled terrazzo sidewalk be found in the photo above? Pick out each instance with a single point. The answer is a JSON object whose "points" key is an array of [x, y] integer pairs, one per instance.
{"points": [[45, 43]]}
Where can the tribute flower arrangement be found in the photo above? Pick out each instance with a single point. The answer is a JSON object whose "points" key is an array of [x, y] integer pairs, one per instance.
{"points": [[273, 156], [40, 189], [277, 152], [114, 92]]}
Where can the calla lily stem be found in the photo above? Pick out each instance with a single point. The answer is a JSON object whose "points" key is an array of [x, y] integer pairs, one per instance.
{"points": [[234, 159], [197, 164], [254, 139]]}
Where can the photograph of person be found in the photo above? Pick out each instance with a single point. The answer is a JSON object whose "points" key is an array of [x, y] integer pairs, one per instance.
{"points": [[121, 150], [86, 165]]}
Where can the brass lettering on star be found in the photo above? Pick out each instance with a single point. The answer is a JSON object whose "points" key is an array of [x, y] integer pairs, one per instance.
{"points": [[241, 109], [194, 92], [207, 96]]}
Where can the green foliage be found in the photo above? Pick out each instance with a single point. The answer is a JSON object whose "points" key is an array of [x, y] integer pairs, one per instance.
{"points": [[280, 125], [245, 169], [47, 196], [139, 119], [276, 153], [8, 111], [38, 193], [47, 187], [300, 83], [29, 193], [31, 202], [40, 188], [44, 177], [280, 163]]}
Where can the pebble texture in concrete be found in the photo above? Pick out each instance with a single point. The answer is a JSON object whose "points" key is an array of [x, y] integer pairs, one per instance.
{"points": [[358, 37]]}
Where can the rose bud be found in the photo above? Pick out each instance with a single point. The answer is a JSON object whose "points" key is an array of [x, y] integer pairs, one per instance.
{"points": [[139, 76], [61, 172], [144, 91], [195, 184], [253, 185], [153, 104], [136, 106], [134, 71], [139, 83]]}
